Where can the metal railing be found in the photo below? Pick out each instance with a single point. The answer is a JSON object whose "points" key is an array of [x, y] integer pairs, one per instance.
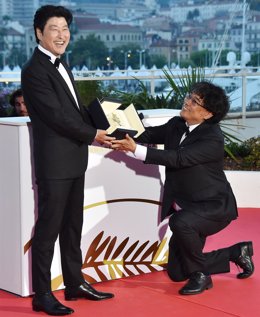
{"points": [[236, 80]]}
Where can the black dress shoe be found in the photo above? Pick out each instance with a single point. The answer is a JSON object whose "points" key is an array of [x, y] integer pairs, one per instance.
{"points": [[85, 291], [197, 283], [244, 261], [49, 304]]}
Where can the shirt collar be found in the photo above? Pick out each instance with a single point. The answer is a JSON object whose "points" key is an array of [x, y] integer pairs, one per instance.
{"points": [[193, 126], [52, 56]]}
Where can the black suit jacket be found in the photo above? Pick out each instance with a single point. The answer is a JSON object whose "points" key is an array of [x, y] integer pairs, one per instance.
{"points": [[194, 169], [61, 129]]}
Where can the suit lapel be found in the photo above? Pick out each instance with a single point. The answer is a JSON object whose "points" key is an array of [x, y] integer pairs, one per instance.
{"points": [[73, 84], [66, 87], [197, 132], [44, 59], [179, 132]]}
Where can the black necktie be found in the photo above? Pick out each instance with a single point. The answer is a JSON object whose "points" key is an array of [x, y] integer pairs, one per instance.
{"points": [[187, 130], [57, 62]]}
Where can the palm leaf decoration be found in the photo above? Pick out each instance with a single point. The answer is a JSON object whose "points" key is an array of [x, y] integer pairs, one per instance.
{"points": [[125, 259]]}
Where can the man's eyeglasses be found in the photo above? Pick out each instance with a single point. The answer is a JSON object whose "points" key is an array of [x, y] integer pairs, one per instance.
{"points": [[193, 100]]}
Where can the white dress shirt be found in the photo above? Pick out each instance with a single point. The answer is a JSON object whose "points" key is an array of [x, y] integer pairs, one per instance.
{"points": [[61, 69]]}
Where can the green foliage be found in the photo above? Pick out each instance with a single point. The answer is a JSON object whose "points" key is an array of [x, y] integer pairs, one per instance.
{"points": [[181, 85], [89, 90], [90, 51], [245, 155], [16, 57], [253, 158], [187, 63], [158, 60], [238, 149], [227, 129], [254, 59], [205, 58], [199, 58], [144, 100], [9, 111], [130, 59]]}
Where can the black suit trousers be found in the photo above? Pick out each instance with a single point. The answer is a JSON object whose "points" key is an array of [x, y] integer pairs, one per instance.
{"points": [[60, 213], [189, 233]]}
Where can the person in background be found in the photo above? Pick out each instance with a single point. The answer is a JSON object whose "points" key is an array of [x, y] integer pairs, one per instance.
{"points": [[197, 196], [62, 131], [18, 104]]}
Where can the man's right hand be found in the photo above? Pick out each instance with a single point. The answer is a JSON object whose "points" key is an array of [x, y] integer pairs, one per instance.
{"points": [[103, 139], [126, 145]]}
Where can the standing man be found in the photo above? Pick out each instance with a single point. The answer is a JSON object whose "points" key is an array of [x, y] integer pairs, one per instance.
{"points": [[61, 135], [197, 194]]}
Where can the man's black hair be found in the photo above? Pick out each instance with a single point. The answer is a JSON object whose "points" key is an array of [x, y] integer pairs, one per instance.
{"points": [[214, 98], [44, 13]]}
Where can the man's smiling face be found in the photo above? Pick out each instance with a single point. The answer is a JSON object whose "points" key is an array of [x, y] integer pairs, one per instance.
{"points": [[193, 110], [55, 36]]}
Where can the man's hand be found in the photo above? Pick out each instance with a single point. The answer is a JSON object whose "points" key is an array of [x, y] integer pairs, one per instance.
{"points": [[103, 139], [126, 145]]}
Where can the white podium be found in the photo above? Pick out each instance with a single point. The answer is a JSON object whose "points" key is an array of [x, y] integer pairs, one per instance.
{"points": [[122, 234]]}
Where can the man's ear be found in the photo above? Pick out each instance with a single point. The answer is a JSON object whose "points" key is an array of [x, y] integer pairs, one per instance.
{"points": [[39, 34], [208, 115]]}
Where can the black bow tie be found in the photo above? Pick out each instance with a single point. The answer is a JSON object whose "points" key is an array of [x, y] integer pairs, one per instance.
{"points": [[57, 62]]}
